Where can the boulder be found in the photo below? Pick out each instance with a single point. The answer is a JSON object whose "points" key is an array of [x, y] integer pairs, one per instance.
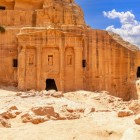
{"points": [[137, 119], [74, 109], [7, 114], [30, 117], [39, 119], [19, 93], [13, 108], [89, 110], [4, 122], [27, 95], [125, 113], [31, 91], [51, 91], [45, 92], [12, 112], [135, 106], [44, 111], [26, 117], [58, 94], [72, 116]]}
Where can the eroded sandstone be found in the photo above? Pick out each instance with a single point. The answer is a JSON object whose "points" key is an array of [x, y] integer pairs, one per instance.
{"points": [[47, 45]]}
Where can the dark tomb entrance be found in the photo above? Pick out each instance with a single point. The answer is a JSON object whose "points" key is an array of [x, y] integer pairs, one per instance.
{"points": [[50, 84], [138, 72]]}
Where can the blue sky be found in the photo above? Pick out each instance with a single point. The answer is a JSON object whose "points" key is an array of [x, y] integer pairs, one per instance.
{"points": [[119, 16], [93, 11]]}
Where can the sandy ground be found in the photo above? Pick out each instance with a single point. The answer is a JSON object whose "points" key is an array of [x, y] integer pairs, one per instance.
{"points": [[101, 124]]}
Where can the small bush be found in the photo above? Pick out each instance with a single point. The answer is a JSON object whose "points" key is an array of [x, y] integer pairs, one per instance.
{"points": [[2, 29]]}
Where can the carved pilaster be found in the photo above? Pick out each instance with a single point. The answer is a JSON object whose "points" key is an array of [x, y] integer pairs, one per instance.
{"points": [[38, 67], [78, 68], [61, 48], [21, 67]]}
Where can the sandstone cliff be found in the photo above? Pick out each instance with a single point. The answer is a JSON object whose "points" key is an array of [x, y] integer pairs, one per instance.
{"points": [[49, 40]]}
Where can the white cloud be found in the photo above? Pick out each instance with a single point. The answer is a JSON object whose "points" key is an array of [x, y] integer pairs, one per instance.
{"points": [[130, 27]]}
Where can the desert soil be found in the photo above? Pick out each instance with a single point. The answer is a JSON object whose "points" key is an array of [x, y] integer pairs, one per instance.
{"points": [[79, 115]]}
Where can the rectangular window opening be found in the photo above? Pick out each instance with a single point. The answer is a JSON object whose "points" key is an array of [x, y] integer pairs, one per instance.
{"points": [[15, 63], [2, 7], [84, 63], [50, 60]]}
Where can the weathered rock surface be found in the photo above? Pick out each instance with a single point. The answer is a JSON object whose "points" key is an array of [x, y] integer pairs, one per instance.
{"points": [[30, 117], [78, 115], [12, 112], [131, 134], [44, 111], [4, 122], [138, 87], [135, 106], [54, 23], [89, 110], [57, 94], [137, 119], [45, 92], [125, 113]]}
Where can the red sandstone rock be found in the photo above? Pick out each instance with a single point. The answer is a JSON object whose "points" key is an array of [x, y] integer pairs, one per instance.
{"points": [[29, 117], [13, 108], [8, 114], [49, 27], [39, 119], [4, 122], [72, 116], [124, 113], [57, 94], [74, 109], [45, 111], [12, 112], [137, 119]]}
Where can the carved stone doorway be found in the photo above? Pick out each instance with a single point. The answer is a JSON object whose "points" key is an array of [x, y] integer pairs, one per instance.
{"points": [[50, 84]]}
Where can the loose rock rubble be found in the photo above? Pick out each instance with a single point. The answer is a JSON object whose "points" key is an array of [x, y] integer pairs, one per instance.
{"points": [[7, 114], [46, 107], [137, 119], [4, 122], [30, 117], [135, 106], [10, 113], [125, 113], [33, 93]]}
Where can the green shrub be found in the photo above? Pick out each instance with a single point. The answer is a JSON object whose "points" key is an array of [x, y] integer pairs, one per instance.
{"points": [[2, 29]]}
